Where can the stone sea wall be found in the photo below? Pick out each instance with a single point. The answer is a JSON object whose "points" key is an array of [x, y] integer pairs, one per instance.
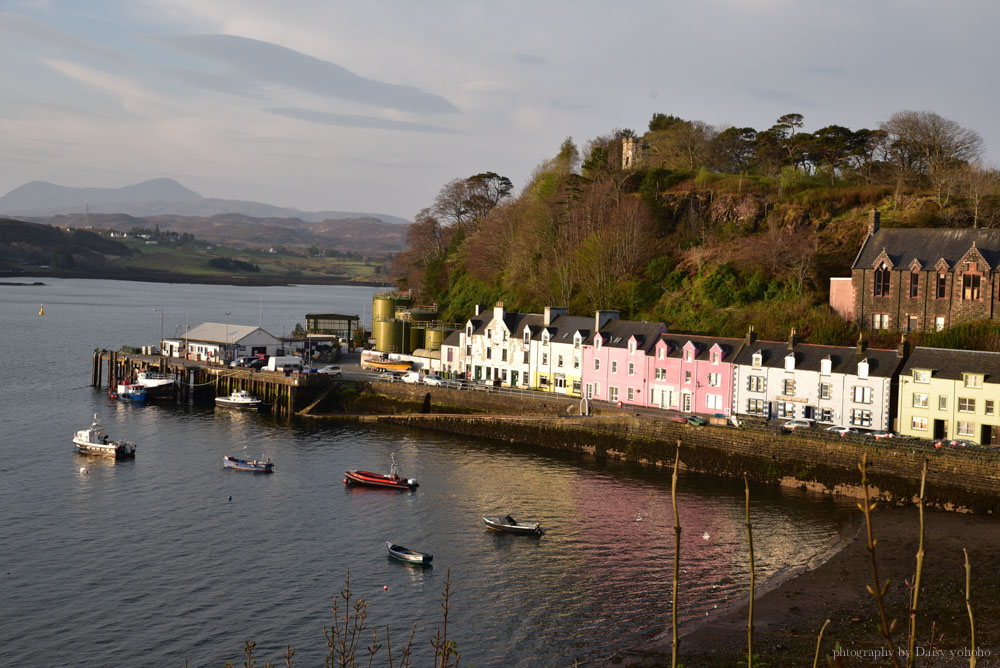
{"points": [[955, 479]]}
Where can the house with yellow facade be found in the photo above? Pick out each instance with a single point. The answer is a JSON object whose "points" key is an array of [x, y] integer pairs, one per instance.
{"points": [[950, 394]]}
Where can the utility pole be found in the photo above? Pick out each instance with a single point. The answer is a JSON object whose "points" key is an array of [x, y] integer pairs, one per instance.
{"points": [[159, 346], [225, 357]]}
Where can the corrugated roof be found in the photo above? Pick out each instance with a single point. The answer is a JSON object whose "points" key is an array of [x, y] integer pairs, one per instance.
{"points": [[215, 332]]}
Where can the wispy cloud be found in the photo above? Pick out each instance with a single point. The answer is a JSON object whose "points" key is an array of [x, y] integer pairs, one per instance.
{"points": [[24, 26], [267, 63], [355, 121], [132, 95]]}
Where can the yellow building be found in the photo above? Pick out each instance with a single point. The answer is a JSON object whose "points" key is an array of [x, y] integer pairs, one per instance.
{"points": [[950, 394]]}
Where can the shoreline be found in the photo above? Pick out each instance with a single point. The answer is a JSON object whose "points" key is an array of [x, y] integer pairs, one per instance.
{"points": [[788, 616], [194, 280]]}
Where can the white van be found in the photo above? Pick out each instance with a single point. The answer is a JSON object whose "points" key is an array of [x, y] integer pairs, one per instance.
{"points": [[283, 364]]}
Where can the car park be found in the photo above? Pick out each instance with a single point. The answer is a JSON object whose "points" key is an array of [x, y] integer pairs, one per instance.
{"points": [[798, 423]]}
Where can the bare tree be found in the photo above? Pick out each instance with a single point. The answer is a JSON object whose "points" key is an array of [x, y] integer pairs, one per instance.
{"points": [[976, 182]]}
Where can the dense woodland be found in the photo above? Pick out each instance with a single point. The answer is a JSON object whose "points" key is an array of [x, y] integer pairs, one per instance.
{"points": [[709, 230]]}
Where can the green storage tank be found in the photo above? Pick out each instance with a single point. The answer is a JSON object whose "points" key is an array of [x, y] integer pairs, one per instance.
{"points": [[388, 336], [434, 338], [414, 337], [383, 308]]}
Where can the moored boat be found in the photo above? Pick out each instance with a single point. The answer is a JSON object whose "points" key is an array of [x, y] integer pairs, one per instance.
{"points": [[508, 524], [391, 480], [382, 363], [253, 465], [239, 399], [94, 441], [407, 555], [131, 392], [156, 384]]}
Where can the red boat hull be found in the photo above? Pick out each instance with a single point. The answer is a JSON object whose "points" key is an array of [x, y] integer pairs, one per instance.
{"points": [[378, 480]]}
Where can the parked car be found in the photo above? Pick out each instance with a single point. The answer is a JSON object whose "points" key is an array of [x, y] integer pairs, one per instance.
{"points": [[242, 361], [697, 421], [257, 363], [390, 376], [842, 431], [411, 377], [954, 443], [880, 435], [331, 370], [433, 379], [798, 423]]}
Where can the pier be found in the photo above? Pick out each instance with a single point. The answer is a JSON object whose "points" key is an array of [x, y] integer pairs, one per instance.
{"points": [[285, 393]]}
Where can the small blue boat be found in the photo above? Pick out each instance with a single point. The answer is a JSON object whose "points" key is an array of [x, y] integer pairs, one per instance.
{"points": [[131, 392], [248, 465]]}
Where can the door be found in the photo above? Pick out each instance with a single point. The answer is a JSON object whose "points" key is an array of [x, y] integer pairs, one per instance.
{"points": [[940, 429], [513, 378], [686, 402], [988, 434]]}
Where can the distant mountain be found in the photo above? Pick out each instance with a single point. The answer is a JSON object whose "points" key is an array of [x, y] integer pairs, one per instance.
{"points": [[153, 198]]}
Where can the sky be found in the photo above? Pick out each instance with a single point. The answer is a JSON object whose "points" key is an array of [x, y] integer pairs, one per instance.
{"points": [[374, 106]]}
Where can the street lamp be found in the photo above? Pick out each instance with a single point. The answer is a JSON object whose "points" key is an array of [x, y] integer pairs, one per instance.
{"points": [[226, 356], [159, 346]]}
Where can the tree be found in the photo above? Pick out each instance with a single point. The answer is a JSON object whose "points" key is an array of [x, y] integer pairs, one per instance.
{"points": [[927, 144], [977, 182], [568, 159], [733, 150], [832, 145], [484, 192], [678, 144], [866, 145]]}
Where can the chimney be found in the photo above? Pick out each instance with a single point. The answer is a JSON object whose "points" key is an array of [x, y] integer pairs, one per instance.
{"points": [[601, 318], [477, 309], [793, 338], [862, 346], [551, 313], [751, 335], [873, 217], [498, 312], [904, 347]]}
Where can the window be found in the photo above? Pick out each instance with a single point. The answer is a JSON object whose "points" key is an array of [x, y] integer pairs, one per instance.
{"points": [[757, 359], [756, 383], [662, 353], [942, 403], [468, 351], [786, 409], [543, 381], [920, 400], [631, 369], [988, 407], [613, 394], [824, 390], [788, 387], [973, 380], [756, 406], [914, 284], [576, 341], [790, 363], [527, 337], [631, 394], [661, 374], [597, 389], [631, 347], [921, 376], [714, 379], [576, 362], [942, 286], [489, 334], [715, 358], [559, 361], [880, 321], [597, 364], [881, 288], [687, 355], [912, 323], [966, 428], [824, 415], [545, 359], [576, 387], [970, 286], [861, 418], [687, 376], [919, 423], [966, 405], [862, 395], [527, 357], [503, 355], [614, 366], [713, 401], [489, 353]]}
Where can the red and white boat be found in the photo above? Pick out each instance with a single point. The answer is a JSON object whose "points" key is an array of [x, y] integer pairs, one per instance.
{"points": [[391, 480]]}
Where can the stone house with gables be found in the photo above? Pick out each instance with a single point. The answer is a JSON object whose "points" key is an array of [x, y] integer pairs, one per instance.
{"points": [[925, 278]]}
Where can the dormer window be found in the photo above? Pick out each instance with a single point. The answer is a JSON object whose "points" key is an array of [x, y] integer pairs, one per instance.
{"points": [[921, 376], [468, 330], [577, 340], [758, 359], [662, 353], [863, 369], [631, 347], [826, 366], [715, 358], [527, 337], [598, 341], [545, 338], [790, 362], [688, 355], [973, 380]]}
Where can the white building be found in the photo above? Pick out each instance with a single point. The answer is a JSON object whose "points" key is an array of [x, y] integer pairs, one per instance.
{"points": [[221, 342]]}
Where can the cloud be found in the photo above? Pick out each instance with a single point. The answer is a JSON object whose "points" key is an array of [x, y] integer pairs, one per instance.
{"points": [[133, 97], [22, 26], [529, 59], [267, 63], [355, 121], [217, 83]]}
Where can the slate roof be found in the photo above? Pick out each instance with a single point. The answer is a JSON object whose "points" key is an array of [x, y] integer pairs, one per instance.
{"points": [[454, 339], [951, 364], [844, 359], [703, 343], [928, 245], [562, 329], [513, 321], [215, 332], [616, 333]]}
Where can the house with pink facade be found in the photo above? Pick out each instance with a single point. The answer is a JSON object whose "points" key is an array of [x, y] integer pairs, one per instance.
{"points": [[692, 374], [614, 361]]}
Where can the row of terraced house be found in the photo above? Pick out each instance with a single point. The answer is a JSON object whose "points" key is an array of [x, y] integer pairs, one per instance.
{"points": [[928, 393]]}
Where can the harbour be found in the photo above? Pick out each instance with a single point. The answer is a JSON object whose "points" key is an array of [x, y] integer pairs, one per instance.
{"points": [[164, 519]]}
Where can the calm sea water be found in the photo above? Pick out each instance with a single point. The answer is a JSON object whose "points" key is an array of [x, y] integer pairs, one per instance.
{"points": [[149, 562]]}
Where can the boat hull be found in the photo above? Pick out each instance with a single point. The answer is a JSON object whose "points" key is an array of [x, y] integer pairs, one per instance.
{"points": [[499, 524], [408, 556], [368, 479], [114, 450], [238, 405], [247, 465]]}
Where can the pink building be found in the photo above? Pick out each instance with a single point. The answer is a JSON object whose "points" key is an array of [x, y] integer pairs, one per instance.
{"points": [[692, 374], [614, 361]]}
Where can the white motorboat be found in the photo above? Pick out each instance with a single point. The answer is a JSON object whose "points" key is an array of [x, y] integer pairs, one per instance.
{"points": [[239, 399], [157, 384], [94, 441]]}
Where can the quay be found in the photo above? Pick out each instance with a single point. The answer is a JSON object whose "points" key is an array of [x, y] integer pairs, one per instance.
{"points": [[284, 392]]}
